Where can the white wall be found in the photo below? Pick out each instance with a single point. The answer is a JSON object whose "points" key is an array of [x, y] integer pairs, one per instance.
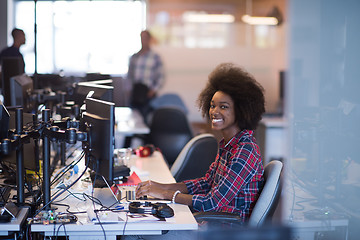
{"points": [[187, 71]]}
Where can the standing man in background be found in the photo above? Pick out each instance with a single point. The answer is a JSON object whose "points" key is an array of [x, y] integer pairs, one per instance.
{"points": [[146, 74], [14, 50], [11, 63]]}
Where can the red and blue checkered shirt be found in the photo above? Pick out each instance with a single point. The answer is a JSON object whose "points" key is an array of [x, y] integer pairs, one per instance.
{"points": [[147, 69], [234, 180]]}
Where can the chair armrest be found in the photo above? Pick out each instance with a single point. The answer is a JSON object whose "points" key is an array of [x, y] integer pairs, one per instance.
{"points": [[218, 218]]}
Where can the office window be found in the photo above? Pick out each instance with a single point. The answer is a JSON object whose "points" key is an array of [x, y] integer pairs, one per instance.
{"points": [[81, 36]]}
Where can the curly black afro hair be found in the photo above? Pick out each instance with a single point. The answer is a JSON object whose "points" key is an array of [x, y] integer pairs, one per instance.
{"points": [[245, 91]]}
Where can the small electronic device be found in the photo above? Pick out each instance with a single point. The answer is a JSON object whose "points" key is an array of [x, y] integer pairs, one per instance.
{"points": [[50, 216]]}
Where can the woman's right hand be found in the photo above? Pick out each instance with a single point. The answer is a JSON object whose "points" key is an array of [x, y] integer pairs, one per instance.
{"points": [[151, 188]]}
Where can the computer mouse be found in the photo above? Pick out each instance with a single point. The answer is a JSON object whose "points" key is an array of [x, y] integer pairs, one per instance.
{"points": [[164, 211]]}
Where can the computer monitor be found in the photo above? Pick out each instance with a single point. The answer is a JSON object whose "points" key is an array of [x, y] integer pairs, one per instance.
{"points": [[99, 118], [96, 76], [55, 82], [31, 161], [107, 82], [97, 91], [21, 88], [4, 121]]}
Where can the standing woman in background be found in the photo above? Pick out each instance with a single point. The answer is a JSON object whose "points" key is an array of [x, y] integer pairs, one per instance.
{"points": [[233, 102]]}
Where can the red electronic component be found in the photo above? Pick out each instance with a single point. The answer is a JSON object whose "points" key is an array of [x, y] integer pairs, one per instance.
{"points": [[145, 151]]}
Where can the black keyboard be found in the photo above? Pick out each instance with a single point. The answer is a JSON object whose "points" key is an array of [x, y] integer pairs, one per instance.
{"points": [[4, 194]]}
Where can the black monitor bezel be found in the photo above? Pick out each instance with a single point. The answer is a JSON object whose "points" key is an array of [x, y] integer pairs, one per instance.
{"points": [[99, 118], [101, 92]]}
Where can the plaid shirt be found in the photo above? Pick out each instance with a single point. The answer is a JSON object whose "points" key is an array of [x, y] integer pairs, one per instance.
{"points": [[146, 69], [233, 181]]}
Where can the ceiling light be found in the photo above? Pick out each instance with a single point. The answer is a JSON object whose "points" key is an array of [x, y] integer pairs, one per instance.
{"points": [[208, 18], [259, 20]]}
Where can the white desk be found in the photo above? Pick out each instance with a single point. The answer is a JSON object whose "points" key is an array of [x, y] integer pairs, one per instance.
{"points": [[128, 122], [153, 168], [15, 224]]}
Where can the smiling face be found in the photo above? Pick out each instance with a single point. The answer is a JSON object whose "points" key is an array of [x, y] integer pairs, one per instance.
{"points": [[222, 115]]}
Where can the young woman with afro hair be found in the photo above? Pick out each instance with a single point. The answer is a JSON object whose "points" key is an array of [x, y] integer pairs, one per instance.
{"points": [[233, 103]]}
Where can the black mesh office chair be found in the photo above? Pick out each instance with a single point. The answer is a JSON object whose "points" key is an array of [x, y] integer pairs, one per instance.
{"points": [[195, 158], [264, 207], [169, 131], [168, 100]]}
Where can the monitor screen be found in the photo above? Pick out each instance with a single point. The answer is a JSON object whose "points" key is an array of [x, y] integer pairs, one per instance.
{"points": [[99, 119], [97, 91], [30, 160], [4, 121], [21, 87]]}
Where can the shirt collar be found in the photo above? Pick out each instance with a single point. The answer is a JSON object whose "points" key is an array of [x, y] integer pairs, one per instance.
{"points": [[236, 138]]}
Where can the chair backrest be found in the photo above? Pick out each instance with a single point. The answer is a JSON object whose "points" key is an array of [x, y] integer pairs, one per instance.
{"points": [[269, 196], [195, 158], [168, 100], [169, 131]]}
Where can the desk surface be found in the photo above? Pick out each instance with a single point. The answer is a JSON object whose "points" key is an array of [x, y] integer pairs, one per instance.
{"points": [[153, 168], [15, 224]]}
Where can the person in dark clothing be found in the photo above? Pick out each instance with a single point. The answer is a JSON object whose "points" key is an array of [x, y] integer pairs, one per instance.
{"points": [[14, 50]]}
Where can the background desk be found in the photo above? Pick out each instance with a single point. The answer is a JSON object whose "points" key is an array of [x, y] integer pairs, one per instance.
{"points": [[153, 168], [128, 123], [271, 137], [333, 225]]}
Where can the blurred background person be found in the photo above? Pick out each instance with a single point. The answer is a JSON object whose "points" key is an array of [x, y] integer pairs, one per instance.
{"points": [[14, 50], [146, 74]]}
